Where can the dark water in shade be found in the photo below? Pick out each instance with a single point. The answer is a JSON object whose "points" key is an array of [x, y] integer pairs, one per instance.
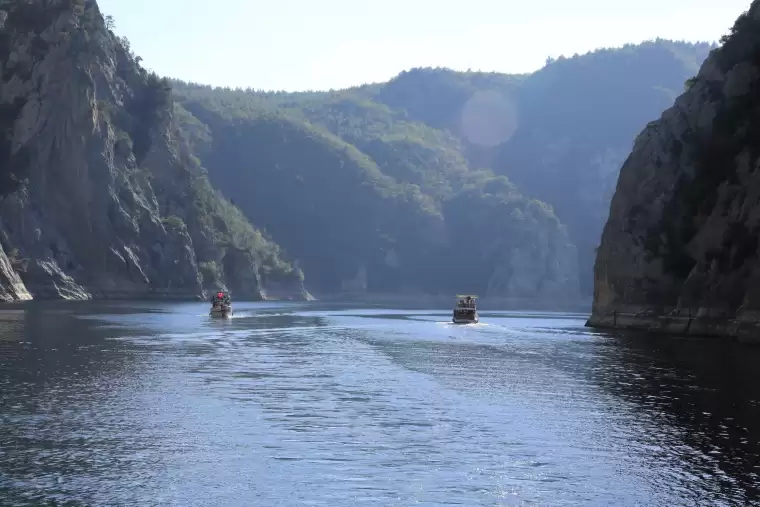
{"points": [[318, 405]]}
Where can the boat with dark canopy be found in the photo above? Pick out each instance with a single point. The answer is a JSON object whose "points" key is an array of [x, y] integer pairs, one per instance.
{"points": [[465, 310]]}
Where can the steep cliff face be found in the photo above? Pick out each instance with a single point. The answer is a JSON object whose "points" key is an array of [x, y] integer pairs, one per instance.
{"points": [[679, 250], [100, 196]]}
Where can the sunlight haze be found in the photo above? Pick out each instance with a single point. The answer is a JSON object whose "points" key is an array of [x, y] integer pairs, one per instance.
{"points": [[300, 45]]}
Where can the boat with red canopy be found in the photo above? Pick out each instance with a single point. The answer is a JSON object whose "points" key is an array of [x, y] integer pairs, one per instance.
{"points": [[221, 305]]}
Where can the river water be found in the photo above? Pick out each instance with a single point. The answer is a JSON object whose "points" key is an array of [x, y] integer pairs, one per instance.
{"points": [[322, 405]]}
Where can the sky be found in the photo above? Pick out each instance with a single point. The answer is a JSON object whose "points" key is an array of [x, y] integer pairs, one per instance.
{"points": [[330, 44]]}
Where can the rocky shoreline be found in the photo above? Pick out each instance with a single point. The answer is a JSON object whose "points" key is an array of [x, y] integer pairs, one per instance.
{"points": [[278, 294], [150, 294], [681, 323]]}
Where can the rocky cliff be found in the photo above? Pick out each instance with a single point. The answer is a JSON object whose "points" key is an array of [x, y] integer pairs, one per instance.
{"points": [[679, 252], [100, 196]]}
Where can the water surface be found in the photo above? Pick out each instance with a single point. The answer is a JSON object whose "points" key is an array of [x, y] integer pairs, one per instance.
{"points": [[323, 405]]}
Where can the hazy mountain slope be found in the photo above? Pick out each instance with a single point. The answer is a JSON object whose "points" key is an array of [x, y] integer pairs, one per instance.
{"points": [[559, 134], [393, 211], [577, 121]]}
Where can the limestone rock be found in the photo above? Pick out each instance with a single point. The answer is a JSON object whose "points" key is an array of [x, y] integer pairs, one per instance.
{"points": [[679, 252], [110, 204]]}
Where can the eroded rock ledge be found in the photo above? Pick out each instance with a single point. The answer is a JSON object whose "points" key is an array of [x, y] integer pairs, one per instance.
{"points": [[699, 323]]}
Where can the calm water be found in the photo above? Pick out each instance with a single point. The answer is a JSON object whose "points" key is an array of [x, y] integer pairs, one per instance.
{"points": [[309, 404]]}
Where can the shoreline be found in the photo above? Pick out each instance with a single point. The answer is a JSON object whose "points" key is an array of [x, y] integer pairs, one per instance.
{"points": [[389, 300], [745, 331], [153, 295], [485, 303]]}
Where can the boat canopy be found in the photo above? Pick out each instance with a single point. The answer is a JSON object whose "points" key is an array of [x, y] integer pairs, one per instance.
{"points": [[465, 296], [467, 302]]}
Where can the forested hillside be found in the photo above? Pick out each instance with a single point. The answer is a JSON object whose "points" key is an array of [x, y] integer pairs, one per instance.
{"points": [[439, 181], [356, 228]]}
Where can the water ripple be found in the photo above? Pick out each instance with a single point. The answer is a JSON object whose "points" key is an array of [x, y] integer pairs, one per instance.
{"points": [[302, 405]]}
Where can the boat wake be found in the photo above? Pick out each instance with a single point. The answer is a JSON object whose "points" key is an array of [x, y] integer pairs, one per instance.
{"points": [[469, 324], [246, 315]]}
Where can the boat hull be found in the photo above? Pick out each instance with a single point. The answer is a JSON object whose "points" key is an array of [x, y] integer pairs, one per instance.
{"points": [[466, 320], [221, 314]]}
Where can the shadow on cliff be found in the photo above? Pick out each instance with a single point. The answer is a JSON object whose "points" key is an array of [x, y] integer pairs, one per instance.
{"points": [[703, 393]]}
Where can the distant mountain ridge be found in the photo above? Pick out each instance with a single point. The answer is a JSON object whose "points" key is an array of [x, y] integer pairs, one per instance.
{"points": [[513, 173], [117, 183]]}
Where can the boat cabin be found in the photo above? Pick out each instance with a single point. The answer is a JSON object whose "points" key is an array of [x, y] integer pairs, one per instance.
{"points": [[466, 302], [220, 298], [465, 309]]}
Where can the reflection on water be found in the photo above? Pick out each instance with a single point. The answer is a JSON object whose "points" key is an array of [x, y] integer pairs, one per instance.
{"points": [[310, 404], [701, 398]]}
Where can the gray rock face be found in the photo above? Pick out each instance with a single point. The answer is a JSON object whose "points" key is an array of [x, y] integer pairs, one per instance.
{"points": [[113, 206], [546, 269], [679, 252], [11, 286]]}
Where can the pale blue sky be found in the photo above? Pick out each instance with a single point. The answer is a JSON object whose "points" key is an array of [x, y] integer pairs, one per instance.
{"points": [[322, 44]]}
